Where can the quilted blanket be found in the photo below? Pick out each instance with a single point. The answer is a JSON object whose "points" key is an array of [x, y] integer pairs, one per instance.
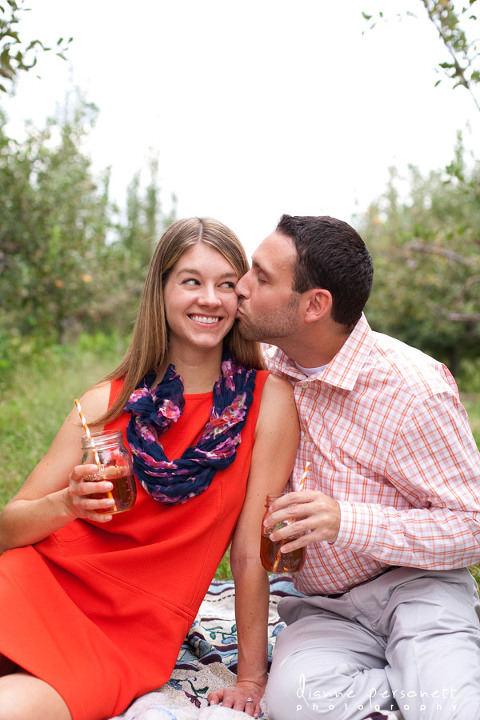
{"points": [[208, 660]]}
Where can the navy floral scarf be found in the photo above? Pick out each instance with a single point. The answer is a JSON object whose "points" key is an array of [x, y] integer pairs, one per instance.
{"points": [[153, 411]]}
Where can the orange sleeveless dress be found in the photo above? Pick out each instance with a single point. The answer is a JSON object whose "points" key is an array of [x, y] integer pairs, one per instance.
{"points": [[100, 611]]}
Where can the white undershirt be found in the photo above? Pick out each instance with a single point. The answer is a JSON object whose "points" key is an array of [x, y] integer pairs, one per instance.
{"points": [[310, 371]]}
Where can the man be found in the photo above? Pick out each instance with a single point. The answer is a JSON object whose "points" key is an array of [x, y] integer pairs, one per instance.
{"points": [[390, 512]]}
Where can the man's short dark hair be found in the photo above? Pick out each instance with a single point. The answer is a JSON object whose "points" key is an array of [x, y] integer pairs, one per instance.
{"points": [[331, 255]]}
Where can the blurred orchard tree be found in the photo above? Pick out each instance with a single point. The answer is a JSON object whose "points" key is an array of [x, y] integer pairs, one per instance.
{"points": [[424, 232], [69, 259], [16, 54], [426, 250]]}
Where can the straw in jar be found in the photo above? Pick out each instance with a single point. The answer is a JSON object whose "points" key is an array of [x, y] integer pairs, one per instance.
{"points": [[301, 486], [94, 449]]}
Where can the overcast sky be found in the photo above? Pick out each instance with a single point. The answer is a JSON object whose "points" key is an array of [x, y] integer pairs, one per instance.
{"points": [[254, 108]]}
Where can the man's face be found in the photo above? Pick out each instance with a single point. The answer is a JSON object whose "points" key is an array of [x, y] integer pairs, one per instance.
{"points": [[268, 307]]}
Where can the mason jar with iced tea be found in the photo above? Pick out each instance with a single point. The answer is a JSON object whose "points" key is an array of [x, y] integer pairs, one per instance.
{"points": [[271, 555], [115, 466]]}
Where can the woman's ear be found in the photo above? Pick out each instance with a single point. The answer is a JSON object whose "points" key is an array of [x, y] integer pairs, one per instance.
{"points": [[319, 304]]}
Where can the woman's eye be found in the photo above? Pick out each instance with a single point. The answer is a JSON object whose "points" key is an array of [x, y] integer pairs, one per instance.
{"points": [[193, 282]]}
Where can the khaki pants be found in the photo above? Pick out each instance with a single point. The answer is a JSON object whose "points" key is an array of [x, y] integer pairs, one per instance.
{"points": [[408, 640]]}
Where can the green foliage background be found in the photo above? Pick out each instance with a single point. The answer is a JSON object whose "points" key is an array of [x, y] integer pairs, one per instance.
{"points": [[424, 235], [70, 261]]}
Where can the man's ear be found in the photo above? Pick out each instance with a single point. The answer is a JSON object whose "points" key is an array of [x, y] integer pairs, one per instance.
{"points": [[318, 305]]}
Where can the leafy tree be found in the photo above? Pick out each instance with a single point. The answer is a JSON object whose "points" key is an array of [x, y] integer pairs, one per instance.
{"points": [[66, 262], [53, 225], [449, 19], [453, 21], [143, 215], [130, 250], [426, 250], [16, 55]]}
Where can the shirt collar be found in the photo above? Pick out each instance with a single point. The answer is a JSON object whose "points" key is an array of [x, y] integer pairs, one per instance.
{"points": [[342, 371]]}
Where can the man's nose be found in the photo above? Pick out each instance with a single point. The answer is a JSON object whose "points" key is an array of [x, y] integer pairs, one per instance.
{"points": [[241, 288]]}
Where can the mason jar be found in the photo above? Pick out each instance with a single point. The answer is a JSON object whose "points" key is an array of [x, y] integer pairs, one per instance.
{"points": [[115, 466], [271, 556]]}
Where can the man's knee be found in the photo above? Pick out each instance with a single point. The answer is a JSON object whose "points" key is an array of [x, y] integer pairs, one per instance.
{"points": [[297, 690], [280, 693]]}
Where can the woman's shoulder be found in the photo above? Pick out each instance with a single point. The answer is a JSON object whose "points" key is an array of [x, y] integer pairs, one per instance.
{"points": [[95, 400], [277, 384], [277, 392]]}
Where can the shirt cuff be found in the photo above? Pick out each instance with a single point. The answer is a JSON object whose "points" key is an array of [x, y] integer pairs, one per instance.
{"points": [[358, 524]]}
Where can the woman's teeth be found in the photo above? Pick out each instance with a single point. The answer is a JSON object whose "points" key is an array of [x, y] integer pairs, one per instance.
{"points": [[205, 319]]}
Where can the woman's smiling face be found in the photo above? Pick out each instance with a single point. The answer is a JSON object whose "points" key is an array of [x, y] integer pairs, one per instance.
{"points": [[200, 299]]}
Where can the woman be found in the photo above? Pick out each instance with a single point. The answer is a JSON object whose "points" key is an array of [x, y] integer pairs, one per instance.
{"points": [[96, 606]]}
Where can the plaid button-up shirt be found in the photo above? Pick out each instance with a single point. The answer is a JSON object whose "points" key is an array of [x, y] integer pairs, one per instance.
{"points": [[386, 435]]}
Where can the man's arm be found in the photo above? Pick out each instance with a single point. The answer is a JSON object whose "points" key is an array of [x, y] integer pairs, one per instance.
{"points": [[435, 465]]}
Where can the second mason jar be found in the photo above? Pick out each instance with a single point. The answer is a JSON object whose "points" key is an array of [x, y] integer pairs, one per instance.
{"points": [[271, 556]]}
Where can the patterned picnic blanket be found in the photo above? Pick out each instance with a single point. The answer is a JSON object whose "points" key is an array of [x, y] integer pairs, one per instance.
{"points": [[208, 660]]}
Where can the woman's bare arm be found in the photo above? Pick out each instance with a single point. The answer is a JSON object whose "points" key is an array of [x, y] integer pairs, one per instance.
{"points": [[273, 455], [56, 493]]}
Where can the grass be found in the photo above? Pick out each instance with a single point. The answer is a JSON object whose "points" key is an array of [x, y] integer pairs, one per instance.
{"points": [[40, 394], [37, 399]]}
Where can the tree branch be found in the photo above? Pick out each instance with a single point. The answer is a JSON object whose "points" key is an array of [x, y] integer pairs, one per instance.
{"points": [[459, 71], [444, 252], [464, 317]]}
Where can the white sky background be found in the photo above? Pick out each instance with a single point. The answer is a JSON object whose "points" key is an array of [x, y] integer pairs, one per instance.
{"points": [[254, 108]]}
